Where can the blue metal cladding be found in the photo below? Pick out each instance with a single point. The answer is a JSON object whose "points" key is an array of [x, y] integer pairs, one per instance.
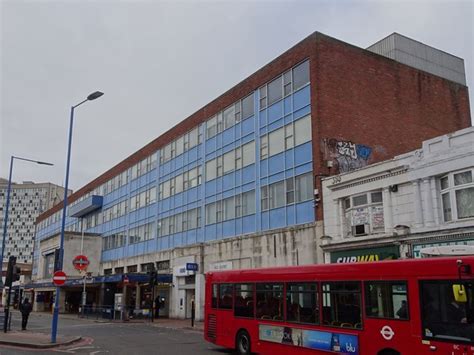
{"points": [[287, 164]]}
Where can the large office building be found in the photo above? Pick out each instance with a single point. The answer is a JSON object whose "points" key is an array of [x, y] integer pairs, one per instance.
{"points": [[237, 184], [27, 201]]}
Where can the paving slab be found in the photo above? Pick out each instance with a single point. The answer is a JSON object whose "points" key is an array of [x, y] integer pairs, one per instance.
{"points": [[32, 340]]}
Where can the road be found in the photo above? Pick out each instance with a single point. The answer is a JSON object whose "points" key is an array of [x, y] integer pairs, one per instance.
{"points": [[117, 338]]}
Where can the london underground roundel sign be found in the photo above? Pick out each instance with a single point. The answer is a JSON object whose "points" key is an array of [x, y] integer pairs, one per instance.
{"points": [[59, 278], [80, 262]]}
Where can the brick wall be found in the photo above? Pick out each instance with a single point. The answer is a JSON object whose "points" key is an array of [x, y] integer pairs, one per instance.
{"points": [[383, 106]]}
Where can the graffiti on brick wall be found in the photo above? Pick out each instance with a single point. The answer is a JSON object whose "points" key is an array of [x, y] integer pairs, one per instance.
{"points": [[345, 155]]}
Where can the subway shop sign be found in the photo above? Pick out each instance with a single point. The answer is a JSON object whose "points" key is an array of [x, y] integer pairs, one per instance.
{"points": [[365, 255]]}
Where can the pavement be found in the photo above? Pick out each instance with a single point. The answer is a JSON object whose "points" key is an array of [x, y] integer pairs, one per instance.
{"points": [[27, 339], [37, 340]]}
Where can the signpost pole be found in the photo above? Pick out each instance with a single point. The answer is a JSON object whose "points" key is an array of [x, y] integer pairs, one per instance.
{"points": [[84, 294]]}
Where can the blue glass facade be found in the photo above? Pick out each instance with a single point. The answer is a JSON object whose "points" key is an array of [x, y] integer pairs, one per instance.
{"points": [[241, 172]]}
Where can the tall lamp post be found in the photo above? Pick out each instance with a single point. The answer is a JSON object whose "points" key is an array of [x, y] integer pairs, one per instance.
{"points": [[5, 221], [54, 326]]}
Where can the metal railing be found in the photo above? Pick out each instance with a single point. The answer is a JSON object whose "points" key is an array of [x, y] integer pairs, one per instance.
{"points": [[102, 312]]}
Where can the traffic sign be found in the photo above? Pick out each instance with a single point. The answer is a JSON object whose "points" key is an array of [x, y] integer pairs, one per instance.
{"points": [[191, 266], [80, 262], [59, 278]]}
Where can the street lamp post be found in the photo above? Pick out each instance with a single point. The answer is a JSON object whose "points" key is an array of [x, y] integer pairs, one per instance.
{"points": [[54, 326], [7, 205]]}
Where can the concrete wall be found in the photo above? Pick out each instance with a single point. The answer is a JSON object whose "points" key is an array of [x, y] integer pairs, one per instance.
{"points": [[72, 248], [299, 245]]}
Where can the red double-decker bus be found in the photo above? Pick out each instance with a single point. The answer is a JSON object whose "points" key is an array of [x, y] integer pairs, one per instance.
{"points": [[423, 306]]}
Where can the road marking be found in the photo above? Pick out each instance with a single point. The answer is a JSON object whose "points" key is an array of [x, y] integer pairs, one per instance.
{"points": [[81, 348], [99, 351]]}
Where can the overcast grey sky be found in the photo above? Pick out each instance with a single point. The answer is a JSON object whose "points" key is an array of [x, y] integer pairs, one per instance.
{"points": [[158, 62]]}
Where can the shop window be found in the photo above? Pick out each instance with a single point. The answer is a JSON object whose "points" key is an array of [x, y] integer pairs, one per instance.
{"points": [[386, 299]]}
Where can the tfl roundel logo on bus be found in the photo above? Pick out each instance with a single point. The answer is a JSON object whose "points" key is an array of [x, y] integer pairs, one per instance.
{"points": [[387, 332]]}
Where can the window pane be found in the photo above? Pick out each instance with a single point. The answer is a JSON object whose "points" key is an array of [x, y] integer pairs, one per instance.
{"points": [[465, 202], [211, 213], [247, 106], [275, 90], [229, 161], [225, 296], [180, 145], [244, 302], [248, 203], [193, 137], [248, 153], [376, 197], [442, 316], [302, 303], [179, 183], [277, 194], [229, 117], [211, 127], [444, 183], [446, 207], [386, 300], [276, 141], [302, 130], [211, 170], [229, 208], [359, 200], [462, 178], [270, 301], [301, 75], [342, 304], [304, 187]]}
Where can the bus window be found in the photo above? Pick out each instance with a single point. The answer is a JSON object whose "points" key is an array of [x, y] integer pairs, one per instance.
{"points": [[302, 303], [386, 299], [442, 316], [342, 304], [214, 295], [270, 301], [225, 296], [243, 306]]}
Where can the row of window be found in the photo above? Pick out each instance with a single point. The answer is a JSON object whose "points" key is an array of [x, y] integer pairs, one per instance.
{"points": [[180, 222], [284, 85], [233, 114], [294, 189], [336, 304], [180, 145], [143, 199], [135, 235], [230, 161], [287, 137], [180, 183], [232, 207]]}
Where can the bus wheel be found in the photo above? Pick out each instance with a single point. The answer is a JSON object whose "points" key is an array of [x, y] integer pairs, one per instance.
{"points": [[388, 352], [243, 343]]}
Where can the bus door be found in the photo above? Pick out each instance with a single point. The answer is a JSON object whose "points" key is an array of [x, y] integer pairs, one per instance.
{"points": [[387, 317], [447, 315]]}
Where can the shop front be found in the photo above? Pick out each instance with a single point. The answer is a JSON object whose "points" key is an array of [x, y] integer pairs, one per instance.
{"points": [[390, 252]]}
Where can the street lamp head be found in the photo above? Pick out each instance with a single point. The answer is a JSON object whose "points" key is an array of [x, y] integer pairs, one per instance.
{"points": [[44, 163], [95, 95]]}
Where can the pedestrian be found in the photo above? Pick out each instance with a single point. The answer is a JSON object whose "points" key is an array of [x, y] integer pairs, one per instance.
{"points": [[402, 313], [25, 309], [157, 306]]}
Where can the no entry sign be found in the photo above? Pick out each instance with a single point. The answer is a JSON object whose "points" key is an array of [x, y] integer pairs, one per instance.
{"points": [[80, 262], [59, 278]]}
